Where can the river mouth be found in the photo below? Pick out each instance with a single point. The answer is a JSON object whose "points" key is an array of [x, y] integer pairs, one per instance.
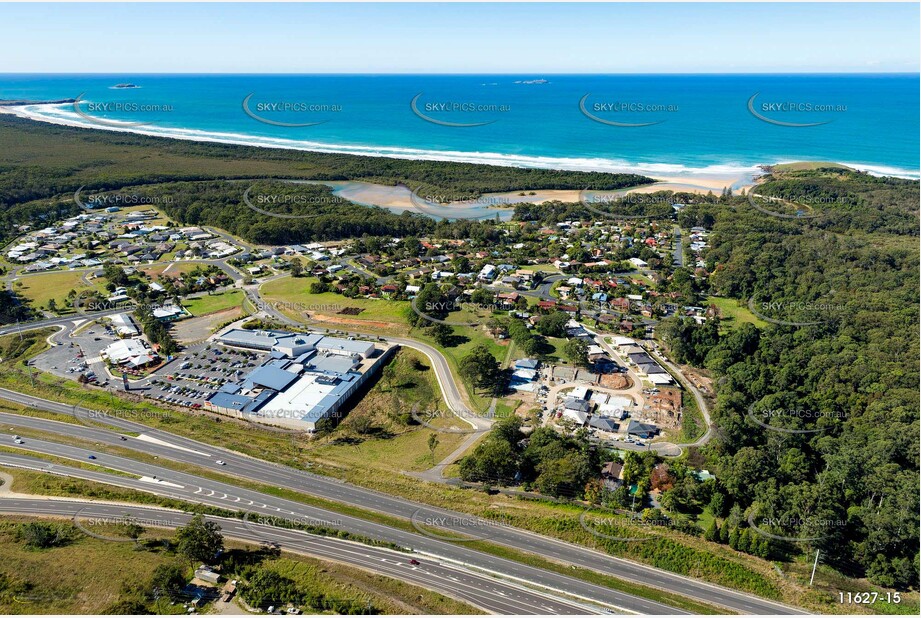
{"points": [[501, 206]]}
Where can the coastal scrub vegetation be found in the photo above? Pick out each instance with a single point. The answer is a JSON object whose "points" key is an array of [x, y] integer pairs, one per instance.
{"points": [[817, 412]]}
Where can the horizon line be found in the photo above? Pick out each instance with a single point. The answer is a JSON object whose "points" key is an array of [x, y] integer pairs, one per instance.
{"points": [[472, 73]]}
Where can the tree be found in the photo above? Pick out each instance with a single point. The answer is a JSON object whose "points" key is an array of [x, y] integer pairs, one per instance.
{"points": [[718, 504], [433, 444], [594, 490], [492, 461], [481, 367], [168, 579], [713, 532], [553, 324], [442, 334], [266, 587], [576, 351], [319, 287], [724, 533], [482, 296], [565, 476], [509, 430], [39, 535], [133, 530], [199, 540], [297, 267]]}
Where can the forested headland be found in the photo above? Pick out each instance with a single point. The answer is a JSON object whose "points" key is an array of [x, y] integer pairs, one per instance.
{"points": [[817, 414]]}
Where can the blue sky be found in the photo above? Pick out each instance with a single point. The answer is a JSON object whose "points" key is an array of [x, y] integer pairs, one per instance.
{"points": [[456, 38]]}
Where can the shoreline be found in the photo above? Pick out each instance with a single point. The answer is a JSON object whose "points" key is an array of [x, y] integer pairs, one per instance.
{"points": [[676, 177]]}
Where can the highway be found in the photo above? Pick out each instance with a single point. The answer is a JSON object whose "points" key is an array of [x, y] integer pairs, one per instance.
{"points": [[182, 449], [196, 489], [488, 593]]}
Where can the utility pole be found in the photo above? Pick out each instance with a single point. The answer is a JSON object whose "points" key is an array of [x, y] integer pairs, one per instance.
{"points": [[814, 565]]}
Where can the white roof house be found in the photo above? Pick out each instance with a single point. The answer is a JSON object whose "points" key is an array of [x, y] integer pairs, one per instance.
{"points": [[580, 392]]}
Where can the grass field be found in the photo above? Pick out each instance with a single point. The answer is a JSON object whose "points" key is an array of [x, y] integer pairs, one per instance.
{"points": [[211, 303], [547, 268], [41, 288], [807, 165], [171, 269], [733, 312], [91, 576], [292, 295]]}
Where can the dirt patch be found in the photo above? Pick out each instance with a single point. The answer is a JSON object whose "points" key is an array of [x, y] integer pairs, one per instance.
{"points": [[319, 317], [665, 407], [198, 328], [350, 311], [616, 381]]}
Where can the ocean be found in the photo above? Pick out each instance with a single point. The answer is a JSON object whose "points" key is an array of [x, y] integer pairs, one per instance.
{"points": [[659, 125]]}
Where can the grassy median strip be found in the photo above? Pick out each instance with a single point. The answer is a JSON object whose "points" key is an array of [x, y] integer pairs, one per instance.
{"points": [[67, 462], [76, 489]]}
